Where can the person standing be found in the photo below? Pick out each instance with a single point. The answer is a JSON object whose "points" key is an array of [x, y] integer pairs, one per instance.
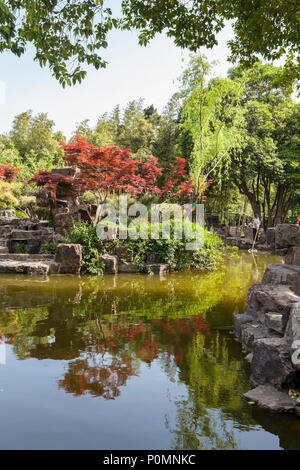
{"points": [[256, 225]]}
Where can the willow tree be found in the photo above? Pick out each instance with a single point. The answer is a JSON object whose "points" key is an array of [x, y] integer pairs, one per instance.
{"points": [[212, 117]]}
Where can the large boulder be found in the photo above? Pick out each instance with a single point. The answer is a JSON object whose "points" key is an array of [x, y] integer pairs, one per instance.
{"points": [[248, 231], [111, 263], [250, 333], [293, 256], [292, 333], [157, 268], [268, 397], [69, 256], [270, 236], [239, 320], [287, 235], [273, 321], [264, 298], [128, 268], [271, 363], [284, 275]]}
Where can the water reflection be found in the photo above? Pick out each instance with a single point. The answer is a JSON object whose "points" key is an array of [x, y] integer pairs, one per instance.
{"points": [[106, 331]]}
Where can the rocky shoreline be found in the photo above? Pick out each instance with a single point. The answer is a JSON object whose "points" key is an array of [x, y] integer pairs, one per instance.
{"points": [[269, 330]]}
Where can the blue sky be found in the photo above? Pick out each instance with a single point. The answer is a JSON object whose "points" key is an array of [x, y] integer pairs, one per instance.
{"points": [[133, 71]]}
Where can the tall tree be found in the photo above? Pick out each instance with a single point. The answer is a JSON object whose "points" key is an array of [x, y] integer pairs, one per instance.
{"points": [[69, 34], [265, 168], [211, 116]]}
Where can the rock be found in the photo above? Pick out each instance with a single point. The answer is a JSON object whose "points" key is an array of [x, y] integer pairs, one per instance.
{"points": [[128, 268], [33, 246], [62, 220], [292, 331], [70, 258], [54, 268], [263, 247], [25, 234], [287, 235], [264, 298], [268, 397], [157, 268], [271, 362], [281, 251], [7, 213], [234, 232], [111, 264], [124, 254], [151, 258], [293, 256], [270, 236], [38, 269], [239, 320], [248, 231], [283, 274], [273, 321], [232, 241], [24, 267], [250, 333]]}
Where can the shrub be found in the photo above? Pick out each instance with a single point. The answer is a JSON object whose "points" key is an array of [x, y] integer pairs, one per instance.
{"points": [[49, 248]]}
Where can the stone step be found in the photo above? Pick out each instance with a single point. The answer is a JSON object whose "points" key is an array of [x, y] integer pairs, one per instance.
{"points": [[25, 234], [33, 268], [20, 257]]}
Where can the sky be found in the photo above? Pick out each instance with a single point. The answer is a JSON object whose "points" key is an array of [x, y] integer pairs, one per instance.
{"points": [[132, 72]]}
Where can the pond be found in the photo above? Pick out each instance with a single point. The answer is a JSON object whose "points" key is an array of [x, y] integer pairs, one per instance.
{"points": [[131, 362]]}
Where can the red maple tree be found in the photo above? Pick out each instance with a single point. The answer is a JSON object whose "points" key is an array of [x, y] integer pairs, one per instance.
{"points": [[8, 173], [111, 169]]}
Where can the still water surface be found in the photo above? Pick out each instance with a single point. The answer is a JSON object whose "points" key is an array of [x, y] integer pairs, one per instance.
{"points": [[131, 362]]}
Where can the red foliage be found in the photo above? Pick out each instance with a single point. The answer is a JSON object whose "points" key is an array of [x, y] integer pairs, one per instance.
{"points": [[109, 169], [8, 173]]}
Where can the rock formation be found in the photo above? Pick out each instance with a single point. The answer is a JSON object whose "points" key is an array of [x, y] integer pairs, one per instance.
{"points": [[270, 330]]}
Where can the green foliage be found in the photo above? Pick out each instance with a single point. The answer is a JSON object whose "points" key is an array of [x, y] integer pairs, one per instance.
{"points": [[174, 251], [211, 117], [49, 248], [9, 194], [266, 28], [21, 248], [68, 35]]}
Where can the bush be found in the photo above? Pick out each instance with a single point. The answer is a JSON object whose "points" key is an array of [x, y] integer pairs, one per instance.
{"points": [[92, 248], [173, 252], [49, 248], [170, 251]]}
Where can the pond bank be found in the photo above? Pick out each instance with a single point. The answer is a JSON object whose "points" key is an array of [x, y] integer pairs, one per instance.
{"points": [[270, 332]]}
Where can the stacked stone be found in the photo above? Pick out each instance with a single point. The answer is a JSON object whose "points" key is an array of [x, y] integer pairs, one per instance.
{"points": [[269, 330]]}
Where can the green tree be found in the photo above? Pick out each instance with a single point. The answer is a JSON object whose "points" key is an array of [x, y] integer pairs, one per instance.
{"points": [[36, 142], [211, 116], [67, 35], [265, 168]]}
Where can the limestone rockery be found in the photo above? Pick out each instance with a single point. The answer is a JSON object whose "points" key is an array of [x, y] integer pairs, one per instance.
{"points": [[270, 332], [20, 245]]}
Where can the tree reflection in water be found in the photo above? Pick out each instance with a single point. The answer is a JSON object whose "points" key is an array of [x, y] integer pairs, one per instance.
{"points": [[108, 328]]}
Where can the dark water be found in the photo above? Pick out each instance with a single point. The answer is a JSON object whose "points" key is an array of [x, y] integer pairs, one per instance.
{"points": [[131, 362]]}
